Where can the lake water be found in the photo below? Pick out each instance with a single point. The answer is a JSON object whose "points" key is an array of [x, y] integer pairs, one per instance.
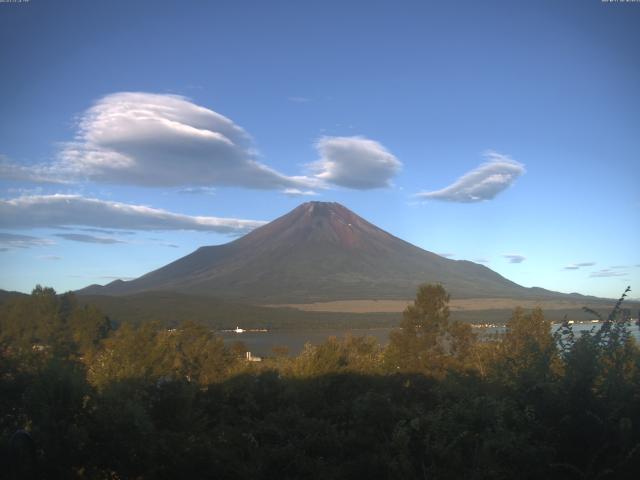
{"points": [[585, 327], [262, 343]]}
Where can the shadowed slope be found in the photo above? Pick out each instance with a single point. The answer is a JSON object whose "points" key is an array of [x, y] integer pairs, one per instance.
{"points": [[318, 251]]}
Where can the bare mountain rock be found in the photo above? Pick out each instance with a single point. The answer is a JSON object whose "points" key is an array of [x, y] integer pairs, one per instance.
{"points": [[319, 251]]}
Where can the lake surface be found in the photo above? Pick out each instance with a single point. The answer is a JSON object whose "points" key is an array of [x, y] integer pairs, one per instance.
{"points": [[262, 343]]}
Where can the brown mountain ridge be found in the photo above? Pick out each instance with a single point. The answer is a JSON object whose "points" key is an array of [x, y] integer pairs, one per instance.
{"points": [[320, 251]]}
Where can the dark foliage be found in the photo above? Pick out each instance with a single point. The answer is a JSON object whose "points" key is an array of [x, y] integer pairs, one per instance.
{"points": [[79, 399]]}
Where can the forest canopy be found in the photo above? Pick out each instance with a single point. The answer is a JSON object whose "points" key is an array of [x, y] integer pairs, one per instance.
{"points": [[80, 398]]}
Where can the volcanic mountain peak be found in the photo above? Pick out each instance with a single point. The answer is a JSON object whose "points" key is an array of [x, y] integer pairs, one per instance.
{"points": [[316, 223], [333, 222], [318, 251], [311, 210]]}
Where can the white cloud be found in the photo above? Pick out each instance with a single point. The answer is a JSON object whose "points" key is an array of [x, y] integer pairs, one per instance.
{"points": [[84, 238], [482, 183], [514, 258], [101, 230], [446, 255], [607, 272], [161, 140], [37, 173], [299, 99], [49, 257], [354, 162], [197, 191], [295, 192], [576, 266], [10, 241], [70, 210]]}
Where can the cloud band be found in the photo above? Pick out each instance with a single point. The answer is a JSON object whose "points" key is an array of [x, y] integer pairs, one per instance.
{"points": [[41, 211]]}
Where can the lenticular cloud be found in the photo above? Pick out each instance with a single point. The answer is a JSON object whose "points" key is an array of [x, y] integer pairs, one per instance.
{"points": [[165, 141], [355, 162], [482, 183], [161, 140], [47, 211]]}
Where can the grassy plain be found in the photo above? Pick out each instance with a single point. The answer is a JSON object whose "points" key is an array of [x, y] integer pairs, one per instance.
{"points": [[455, 305], [171, 309]]}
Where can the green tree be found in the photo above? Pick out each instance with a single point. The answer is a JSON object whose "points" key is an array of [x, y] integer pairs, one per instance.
{"points": [[55, 403], [39, 322], [427, 340], [89, 326], [527, 353], [348, 354], [199, 355]]}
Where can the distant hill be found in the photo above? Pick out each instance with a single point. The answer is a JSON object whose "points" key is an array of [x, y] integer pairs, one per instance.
{"points": [[319, 252], [171, 309], [7, 295]]}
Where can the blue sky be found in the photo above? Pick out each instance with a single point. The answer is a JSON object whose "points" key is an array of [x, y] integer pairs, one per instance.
{"points": [[503, 132]]}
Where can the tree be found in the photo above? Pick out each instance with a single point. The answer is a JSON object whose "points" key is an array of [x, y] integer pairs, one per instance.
{"points": [[39, 322], [527, 355], [89, 326], [427, 341]]}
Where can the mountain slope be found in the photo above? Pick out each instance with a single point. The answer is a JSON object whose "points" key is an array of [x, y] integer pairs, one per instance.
{"points": [[318, 251]]}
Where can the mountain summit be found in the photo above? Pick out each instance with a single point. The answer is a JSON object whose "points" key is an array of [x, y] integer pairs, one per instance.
{"points": [[319, 251]]}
